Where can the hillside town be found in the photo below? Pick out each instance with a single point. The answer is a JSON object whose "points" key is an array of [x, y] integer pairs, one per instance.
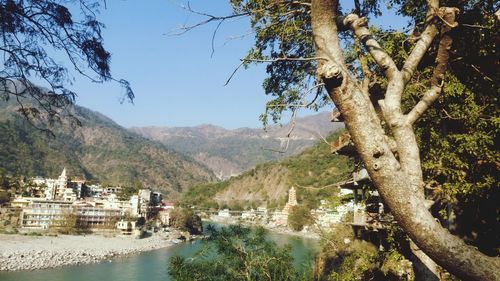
{"points": [[65, 202], [323, 216]]}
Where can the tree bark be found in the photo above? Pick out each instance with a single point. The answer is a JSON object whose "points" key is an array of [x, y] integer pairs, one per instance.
{"points": [[398, 180]]}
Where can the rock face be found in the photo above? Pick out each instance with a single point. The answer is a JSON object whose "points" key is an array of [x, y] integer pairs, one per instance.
{"points": [[264, 185], [313, 170], [229, 152]]}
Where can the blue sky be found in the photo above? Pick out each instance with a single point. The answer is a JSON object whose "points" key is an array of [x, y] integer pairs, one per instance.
{"points": [[175, 80]]}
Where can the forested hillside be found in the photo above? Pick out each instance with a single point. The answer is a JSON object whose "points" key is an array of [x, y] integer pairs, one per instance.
{"points": [[98, 150], [311, 172]]}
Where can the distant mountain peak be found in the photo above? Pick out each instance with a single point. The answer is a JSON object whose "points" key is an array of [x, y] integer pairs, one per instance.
{"points": [[229, 152]]}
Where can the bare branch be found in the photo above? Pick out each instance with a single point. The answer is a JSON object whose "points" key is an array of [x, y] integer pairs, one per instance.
{"points": [[360, 28], [233, 73], [442, 57], [419, 51], [427, 100], [426, 39], [362, 57], [295, 108], [209, 18], [284, 59]]}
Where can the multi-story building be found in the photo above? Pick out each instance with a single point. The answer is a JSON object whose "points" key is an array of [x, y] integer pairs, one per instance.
{"points": [[45, 214], [97, 218]]}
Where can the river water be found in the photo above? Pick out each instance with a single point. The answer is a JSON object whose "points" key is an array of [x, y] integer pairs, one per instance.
{"points": [[147, 266]]}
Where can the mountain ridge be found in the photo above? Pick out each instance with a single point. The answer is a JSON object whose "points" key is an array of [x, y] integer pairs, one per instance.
{"points": [[99, 150], [313, 172], [229, 152]]}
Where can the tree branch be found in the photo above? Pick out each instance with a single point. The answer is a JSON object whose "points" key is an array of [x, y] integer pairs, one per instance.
{"points": [[400, 187], [284, 59], [360, 28], [437, 82], [419, 51]]}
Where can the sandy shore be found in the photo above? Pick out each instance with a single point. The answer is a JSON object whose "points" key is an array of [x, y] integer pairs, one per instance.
{"points": [[18, 252]]}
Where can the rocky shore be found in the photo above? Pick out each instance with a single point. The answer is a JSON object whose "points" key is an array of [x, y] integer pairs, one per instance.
{"points": [[18, 252]]}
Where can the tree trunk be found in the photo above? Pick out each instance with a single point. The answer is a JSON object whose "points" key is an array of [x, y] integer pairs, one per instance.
{"points": [[400, 183]]}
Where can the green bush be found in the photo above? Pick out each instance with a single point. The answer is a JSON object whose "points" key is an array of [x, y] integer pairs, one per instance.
{"points": [[187, 220], [237, 253], [299, 217], [4, 197]]}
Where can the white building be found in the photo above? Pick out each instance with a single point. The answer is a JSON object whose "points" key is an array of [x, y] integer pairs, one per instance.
{"points": [[44, 214], [224, 213], [248, 215], [292, 201], [134, 205], [164, 216], [126, 227]]}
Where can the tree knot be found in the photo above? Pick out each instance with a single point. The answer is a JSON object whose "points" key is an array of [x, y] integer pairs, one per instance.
{"points": [[377, 152], [447, 15], [331, 74], [355, 21], [330, 70]]}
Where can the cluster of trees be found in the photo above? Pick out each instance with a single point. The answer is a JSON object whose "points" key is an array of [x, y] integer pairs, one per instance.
{"points": [[299, 217], [186, 220], [384, 83], [4, 197]]}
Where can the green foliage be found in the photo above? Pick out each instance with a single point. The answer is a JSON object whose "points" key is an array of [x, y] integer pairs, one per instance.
{"points": [[394, 263], [34, 33], [357, 264], [237, 253], [202, 195], [127, 191], [282, 29], [458, 139], [345, 258], [317, 166], [71, 225], [299, 217], [92, 151], [311, 172], [4, 197], [187, 220]]}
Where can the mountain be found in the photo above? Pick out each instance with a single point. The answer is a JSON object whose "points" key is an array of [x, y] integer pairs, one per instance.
{"points": [[313, 173], [98, 150], [230, 152]]}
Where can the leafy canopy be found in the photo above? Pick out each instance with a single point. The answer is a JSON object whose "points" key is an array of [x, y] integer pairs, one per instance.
{"points": [[237, 253], [35, 33], [458, 136]]}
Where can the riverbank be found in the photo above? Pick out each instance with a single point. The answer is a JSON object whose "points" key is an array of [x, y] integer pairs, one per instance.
{"points": [[274, 229], [19, 252]]}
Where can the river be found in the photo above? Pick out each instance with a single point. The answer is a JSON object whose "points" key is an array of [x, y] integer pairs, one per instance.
{"points": [[150, 266]]}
